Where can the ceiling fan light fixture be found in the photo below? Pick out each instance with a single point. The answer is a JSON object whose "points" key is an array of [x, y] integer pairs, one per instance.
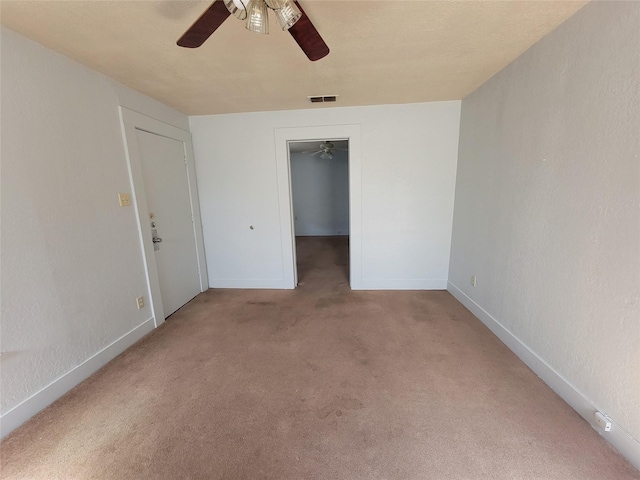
{"points": [[326, 155], [237, 8], [274, 4], [257, 17], [288, 14]]}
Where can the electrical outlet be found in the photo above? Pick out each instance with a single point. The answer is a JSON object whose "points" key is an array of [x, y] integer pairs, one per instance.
{"points": [[140, 302], [473, 280], [124, 199], [603, 421]]}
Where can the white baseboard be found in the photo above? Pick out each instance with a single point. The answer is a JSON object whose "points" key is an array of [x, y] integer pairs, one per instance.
{"points": [[45, 397], [403, 284], [618, 437]]}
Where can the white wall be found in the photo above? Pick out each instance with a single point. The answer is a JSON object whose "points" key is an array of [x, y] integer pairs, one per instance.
{"points": [[71, 258], [408, 176], [547, 211], [320, 190]]}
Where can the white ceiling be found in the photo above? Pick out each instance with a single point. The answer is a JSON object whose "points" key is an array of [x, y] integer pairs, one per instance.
{"points": [[382, 52]]}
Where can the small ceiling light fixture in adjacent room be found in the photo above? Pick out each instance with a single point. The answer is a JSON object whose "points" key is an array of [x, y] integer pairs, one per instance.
{"points": [[327, 150], [322, 98]]}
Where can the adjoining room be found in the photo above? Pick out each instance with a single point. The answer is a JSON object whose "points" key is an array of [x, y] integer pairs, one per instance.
{"points": [[320, 197]]}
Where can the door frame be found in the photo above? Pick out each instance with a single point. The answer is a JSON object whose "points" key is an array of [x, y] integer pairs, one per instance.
{"points": [[283, 136], [132, 121]]}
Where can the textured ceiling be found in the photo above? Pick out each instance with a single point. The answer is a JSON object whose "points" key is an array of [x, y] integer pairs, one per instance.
{"points": [[382, 52]]}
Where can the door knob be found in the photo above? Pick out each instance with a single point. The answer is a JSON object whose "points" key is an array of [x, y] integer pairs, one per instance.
{"points": [[155, 238]]}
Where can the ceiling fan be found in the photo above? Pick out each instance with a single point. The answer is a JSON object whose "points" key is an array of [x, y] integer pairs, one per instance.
{"points": [[289, 13], [326, 150]]}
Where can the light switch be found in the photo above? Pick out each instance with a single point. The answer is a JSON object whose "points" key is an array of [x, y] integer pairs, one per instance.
{"points": [[124, 199]]}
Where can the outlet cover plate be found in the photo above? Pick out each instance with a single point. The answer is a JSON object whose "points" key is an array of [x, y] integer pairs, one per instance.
{"points": [[124, 199]]}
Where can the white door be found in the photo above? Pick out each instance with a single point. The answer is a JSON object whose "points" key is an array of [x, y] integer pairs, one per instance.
{"points": [[166, 186]]}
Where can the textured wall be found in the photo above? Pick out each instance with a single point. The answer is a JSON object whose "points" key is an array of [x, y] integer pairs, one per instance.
{"points": [[547, 204], [71, 259], [320, 190], [408, 176]]}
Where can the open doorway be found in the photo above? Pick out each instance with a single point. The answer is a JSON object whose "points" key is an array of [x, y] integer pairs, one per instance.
{"points": [[283, 137], [319, 172]]}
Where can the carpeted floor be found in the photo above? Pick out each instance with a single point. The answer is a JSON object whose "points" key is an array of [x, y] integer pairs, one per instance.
{"points": [[316, 383]]}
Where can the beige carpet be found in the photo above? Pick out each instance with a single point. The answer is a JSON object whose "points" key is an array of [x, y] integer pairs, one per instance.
{"points": [[316, 383]]}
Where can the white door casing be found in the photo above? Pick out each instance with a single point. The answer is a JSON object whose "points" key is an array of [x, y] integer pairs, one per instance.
{"points": [[140, 131], [283, 136]]}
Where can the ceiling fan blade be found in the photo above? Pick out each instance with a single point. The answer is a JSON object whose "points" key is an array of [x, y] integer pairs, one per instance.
{"points": [[306, 35], [204, 26]]}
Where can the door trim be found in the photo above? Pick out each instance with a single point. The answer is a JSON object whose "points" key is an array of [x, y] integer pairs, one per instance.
{"points": [[282, 138], [130, 122]]}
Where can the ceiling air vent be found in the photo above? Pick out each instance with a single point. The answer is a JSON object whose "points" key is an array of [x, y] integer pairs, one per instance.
{"points": [[323, 98]]}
